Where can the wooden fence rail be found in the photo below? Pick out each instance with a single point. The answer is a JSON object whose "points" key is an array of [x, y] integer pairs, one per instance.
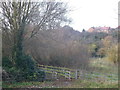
{"points": [[57, 72]]}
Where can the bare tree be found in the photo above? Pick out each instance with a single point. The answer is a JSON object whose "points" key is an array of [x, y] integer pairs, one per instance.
{"points": [[16, 16]]}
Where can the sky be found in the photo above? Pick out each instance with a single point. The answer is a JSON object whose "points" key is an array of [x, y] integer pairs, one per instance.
{"points": [[89, 13]]}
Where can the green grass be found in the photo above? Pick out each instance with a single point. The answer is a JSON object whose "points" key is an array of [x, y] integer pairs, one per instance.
{"points": [[92, 84], [103, 66], [19, 84], [57, 84]]}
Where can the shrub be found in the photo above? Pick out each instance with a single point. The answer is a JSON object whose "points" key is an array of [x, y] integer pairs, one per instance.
{"points": [[112, 54], [6, 63], [24, 70]]}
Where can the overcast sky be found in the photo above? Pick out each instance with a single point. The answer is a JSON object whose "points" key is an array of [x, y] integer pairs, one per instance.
{"points": [[88, 13]]}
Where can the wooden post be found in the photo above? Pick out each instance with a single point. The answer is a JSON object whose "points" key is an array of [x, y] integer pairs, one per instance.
{"points": [[76, 74], [55, 75], [69, 75], [52, 74]]}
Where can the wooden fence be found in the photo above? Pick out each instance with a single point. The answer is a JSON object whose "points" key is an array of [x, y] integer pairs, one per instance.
{"points": [[59, 72]]}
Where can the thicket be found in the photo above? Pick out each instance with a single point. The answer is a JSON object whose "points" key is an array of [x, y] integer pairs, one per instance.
{"points": [[58, 50]]}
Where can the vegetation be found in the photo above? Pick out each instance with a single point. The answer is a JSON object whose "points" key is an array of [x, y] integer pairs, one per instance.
{"points": [[95, 78], [57, 84], [15, 19], [33, 37]]}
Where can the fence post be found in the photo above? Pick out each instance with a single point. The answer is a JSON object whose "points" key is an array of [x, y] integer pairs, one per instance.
{"points": [[65, 74], [69, 74], [55, 75], [76, 74], [52, 74]]}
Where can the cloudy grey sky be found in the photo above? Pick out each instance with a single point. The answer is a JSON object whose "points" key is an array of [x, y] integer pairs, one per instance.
{"points": [[88, 13]]}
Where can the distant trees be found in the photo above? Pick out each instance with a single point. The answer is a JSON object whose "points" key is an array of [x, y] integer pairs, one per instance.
{"points": [[83, 30], [102, 45], [93, 50], [109, 49], [101, 52], [107, 42]]}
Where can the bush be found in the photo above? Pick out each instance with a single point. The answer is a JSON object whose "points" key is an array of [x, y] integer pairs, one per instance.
{"points": [[6, 63], [25, 63], [112, 54], [39, 75], [24, 70]]}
